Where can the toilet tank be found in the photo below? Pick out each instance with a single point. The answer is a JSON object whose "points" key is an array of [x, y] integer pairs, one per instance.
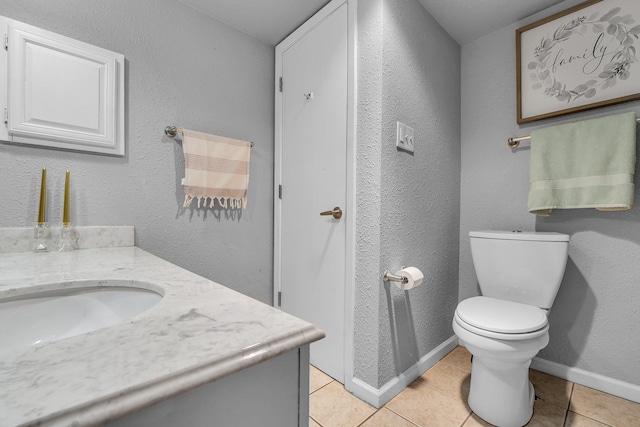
{"points": [[520, 266]]}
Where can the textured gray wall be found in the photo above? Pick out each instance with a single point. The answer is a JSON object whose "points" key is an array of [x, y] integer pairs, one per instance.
{"points": [[593, 321], [185, 69], [182, 69], [368, 196], [408, 205]]}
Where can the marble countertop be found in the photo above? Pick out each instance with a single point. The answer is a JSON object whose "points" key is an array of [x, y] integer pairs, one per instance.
{"points": [[200, 331]]}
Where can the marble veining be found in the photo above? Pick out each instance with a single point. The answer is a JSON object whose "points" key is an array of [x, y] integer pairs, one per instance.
{"points": [[22, 239], [200, 331]]}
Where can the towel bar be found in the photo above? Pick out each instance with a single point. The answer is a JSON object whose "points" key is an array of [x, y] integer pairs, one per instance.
{"points": [[515, 142], [172, 131]]}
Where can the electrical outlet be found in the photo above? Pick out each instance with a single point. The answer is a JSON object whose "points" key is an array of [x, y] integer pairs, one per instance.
{"points": [[404, 138]]}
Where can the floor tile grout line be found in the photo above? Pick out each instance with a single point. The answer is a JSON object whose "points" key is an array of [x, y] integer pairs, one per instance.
{"points": [[466, 419], [573, 389], [321, 387], [555, 404], [566, 416], [568, 408], [368, 418], [401, 416], [589, 418], [445, 394], [316, 421], [450, 364]]}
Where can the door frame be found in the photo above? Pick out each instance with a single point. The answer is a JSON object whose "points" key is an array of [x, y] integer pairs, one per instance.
{"points": [[350, 207]]}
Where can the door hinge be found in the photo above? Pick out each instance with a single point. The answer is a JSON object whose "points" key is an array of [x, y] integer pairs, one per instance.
{"points": [[279, 299], [280, 84], [280, 191], [6, 42]]}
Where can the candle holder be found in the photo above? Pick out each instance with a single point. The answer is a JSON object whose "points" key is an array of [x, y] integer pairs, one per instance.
{"points": [[42, 236], [66, 239]]}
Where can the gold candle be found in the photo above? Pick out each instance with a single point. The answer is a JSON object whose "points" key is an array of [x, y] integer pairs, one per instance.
{"points": [[43, 197], [65, 212]]}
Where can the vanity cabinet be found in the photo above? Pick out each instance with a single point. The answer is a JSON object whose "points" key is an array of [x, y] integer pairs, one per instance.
{"points": [[274, 393], [59, 92], [204, 355]]}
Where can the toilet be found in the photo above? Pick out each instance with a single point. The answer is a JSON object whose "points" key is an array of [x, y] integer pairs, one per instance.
{"points": [[519, 274]]}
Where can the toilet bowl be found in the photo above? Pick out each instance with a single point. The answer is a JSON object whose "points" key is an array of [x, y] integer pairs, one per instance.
{"points": [[519, 275], [500, 390]]}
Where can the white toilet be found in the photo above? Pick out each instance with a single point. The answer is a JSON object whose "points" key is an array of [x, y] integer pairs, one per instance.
{"points": [[519, 275]]}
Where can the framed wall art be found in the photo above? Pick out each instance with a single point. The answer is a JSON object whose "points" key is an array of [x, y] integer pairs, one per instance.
{"points": [[582, 58]]}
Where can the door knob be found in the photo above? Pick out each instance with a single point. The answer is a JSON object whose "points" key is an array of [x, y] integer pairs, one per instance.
{"points": [[336, 212]]}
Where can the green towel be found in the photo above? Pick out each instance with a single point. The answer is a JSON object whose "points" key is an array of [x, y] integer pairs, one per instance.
{"points": [[587, 164]]}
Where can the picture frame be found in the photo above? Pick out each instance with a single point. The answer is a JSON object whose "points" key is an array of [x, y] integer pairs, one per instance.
{"points": [[582, 58]]}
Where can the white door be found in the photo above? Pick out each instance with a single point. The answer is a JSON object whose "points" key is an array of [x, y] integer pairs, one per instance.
{"points": [[313, 155]]}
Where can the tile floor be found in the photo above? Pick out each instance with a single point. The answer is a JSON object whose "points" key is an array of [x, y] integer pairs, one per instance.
{"points": [[438, 398]]}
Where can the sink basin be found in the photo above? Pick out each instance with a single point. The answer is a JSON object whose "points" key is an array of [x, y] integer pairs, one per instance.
{"points": [[61, 313]]}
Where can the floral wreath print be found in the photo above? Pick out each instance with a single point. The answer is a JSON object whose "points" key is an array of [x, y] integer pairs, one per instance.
{"points": [[619, 66]]}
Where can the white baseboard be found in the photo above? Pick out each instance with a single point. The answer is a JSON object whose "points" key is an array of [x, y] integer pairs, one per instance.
{"points": [[378, 397], [588, 379]]}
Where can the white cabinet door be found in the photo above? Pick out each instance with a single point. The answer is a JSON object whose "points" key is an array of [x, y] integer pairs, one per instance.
{"points": [[63, 93]]}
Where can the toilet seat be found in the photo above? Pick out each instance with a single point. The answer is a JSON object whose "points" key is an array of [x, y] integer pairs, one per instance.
{"points": [[500, 319]]}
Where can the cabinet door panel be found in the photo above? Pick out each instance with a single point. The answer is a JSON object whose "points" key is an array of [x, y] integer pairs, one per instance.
{"points": [[53, 77], [64, 93]]}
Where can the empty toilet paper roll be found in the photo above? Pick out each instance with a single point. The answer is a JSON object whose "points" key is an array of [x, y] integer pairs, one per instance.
{"points": [[414, 278]]}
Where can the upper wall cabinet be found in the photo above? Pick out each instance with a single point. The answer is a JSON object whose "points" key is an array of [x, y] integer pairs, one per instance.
{"points": [[60, 92]]}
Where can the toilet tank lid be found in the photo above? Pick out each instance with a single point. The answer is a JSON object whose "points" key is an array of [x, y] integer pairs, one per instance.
{"points": [[540, 236]]}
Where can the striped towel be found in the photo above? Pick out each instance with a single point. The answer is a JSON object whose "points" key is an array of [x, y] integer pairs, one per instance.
{"points": [[216, 168]]}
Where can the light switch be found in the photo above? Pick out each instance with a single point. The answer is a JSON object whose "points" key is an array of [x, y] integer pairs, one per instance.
{"points": [[404, 138]]}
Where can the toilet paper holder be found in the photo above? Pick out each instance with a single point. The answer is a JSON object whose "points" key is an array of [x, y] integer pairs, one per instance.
{"points": [[388, 277]]}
